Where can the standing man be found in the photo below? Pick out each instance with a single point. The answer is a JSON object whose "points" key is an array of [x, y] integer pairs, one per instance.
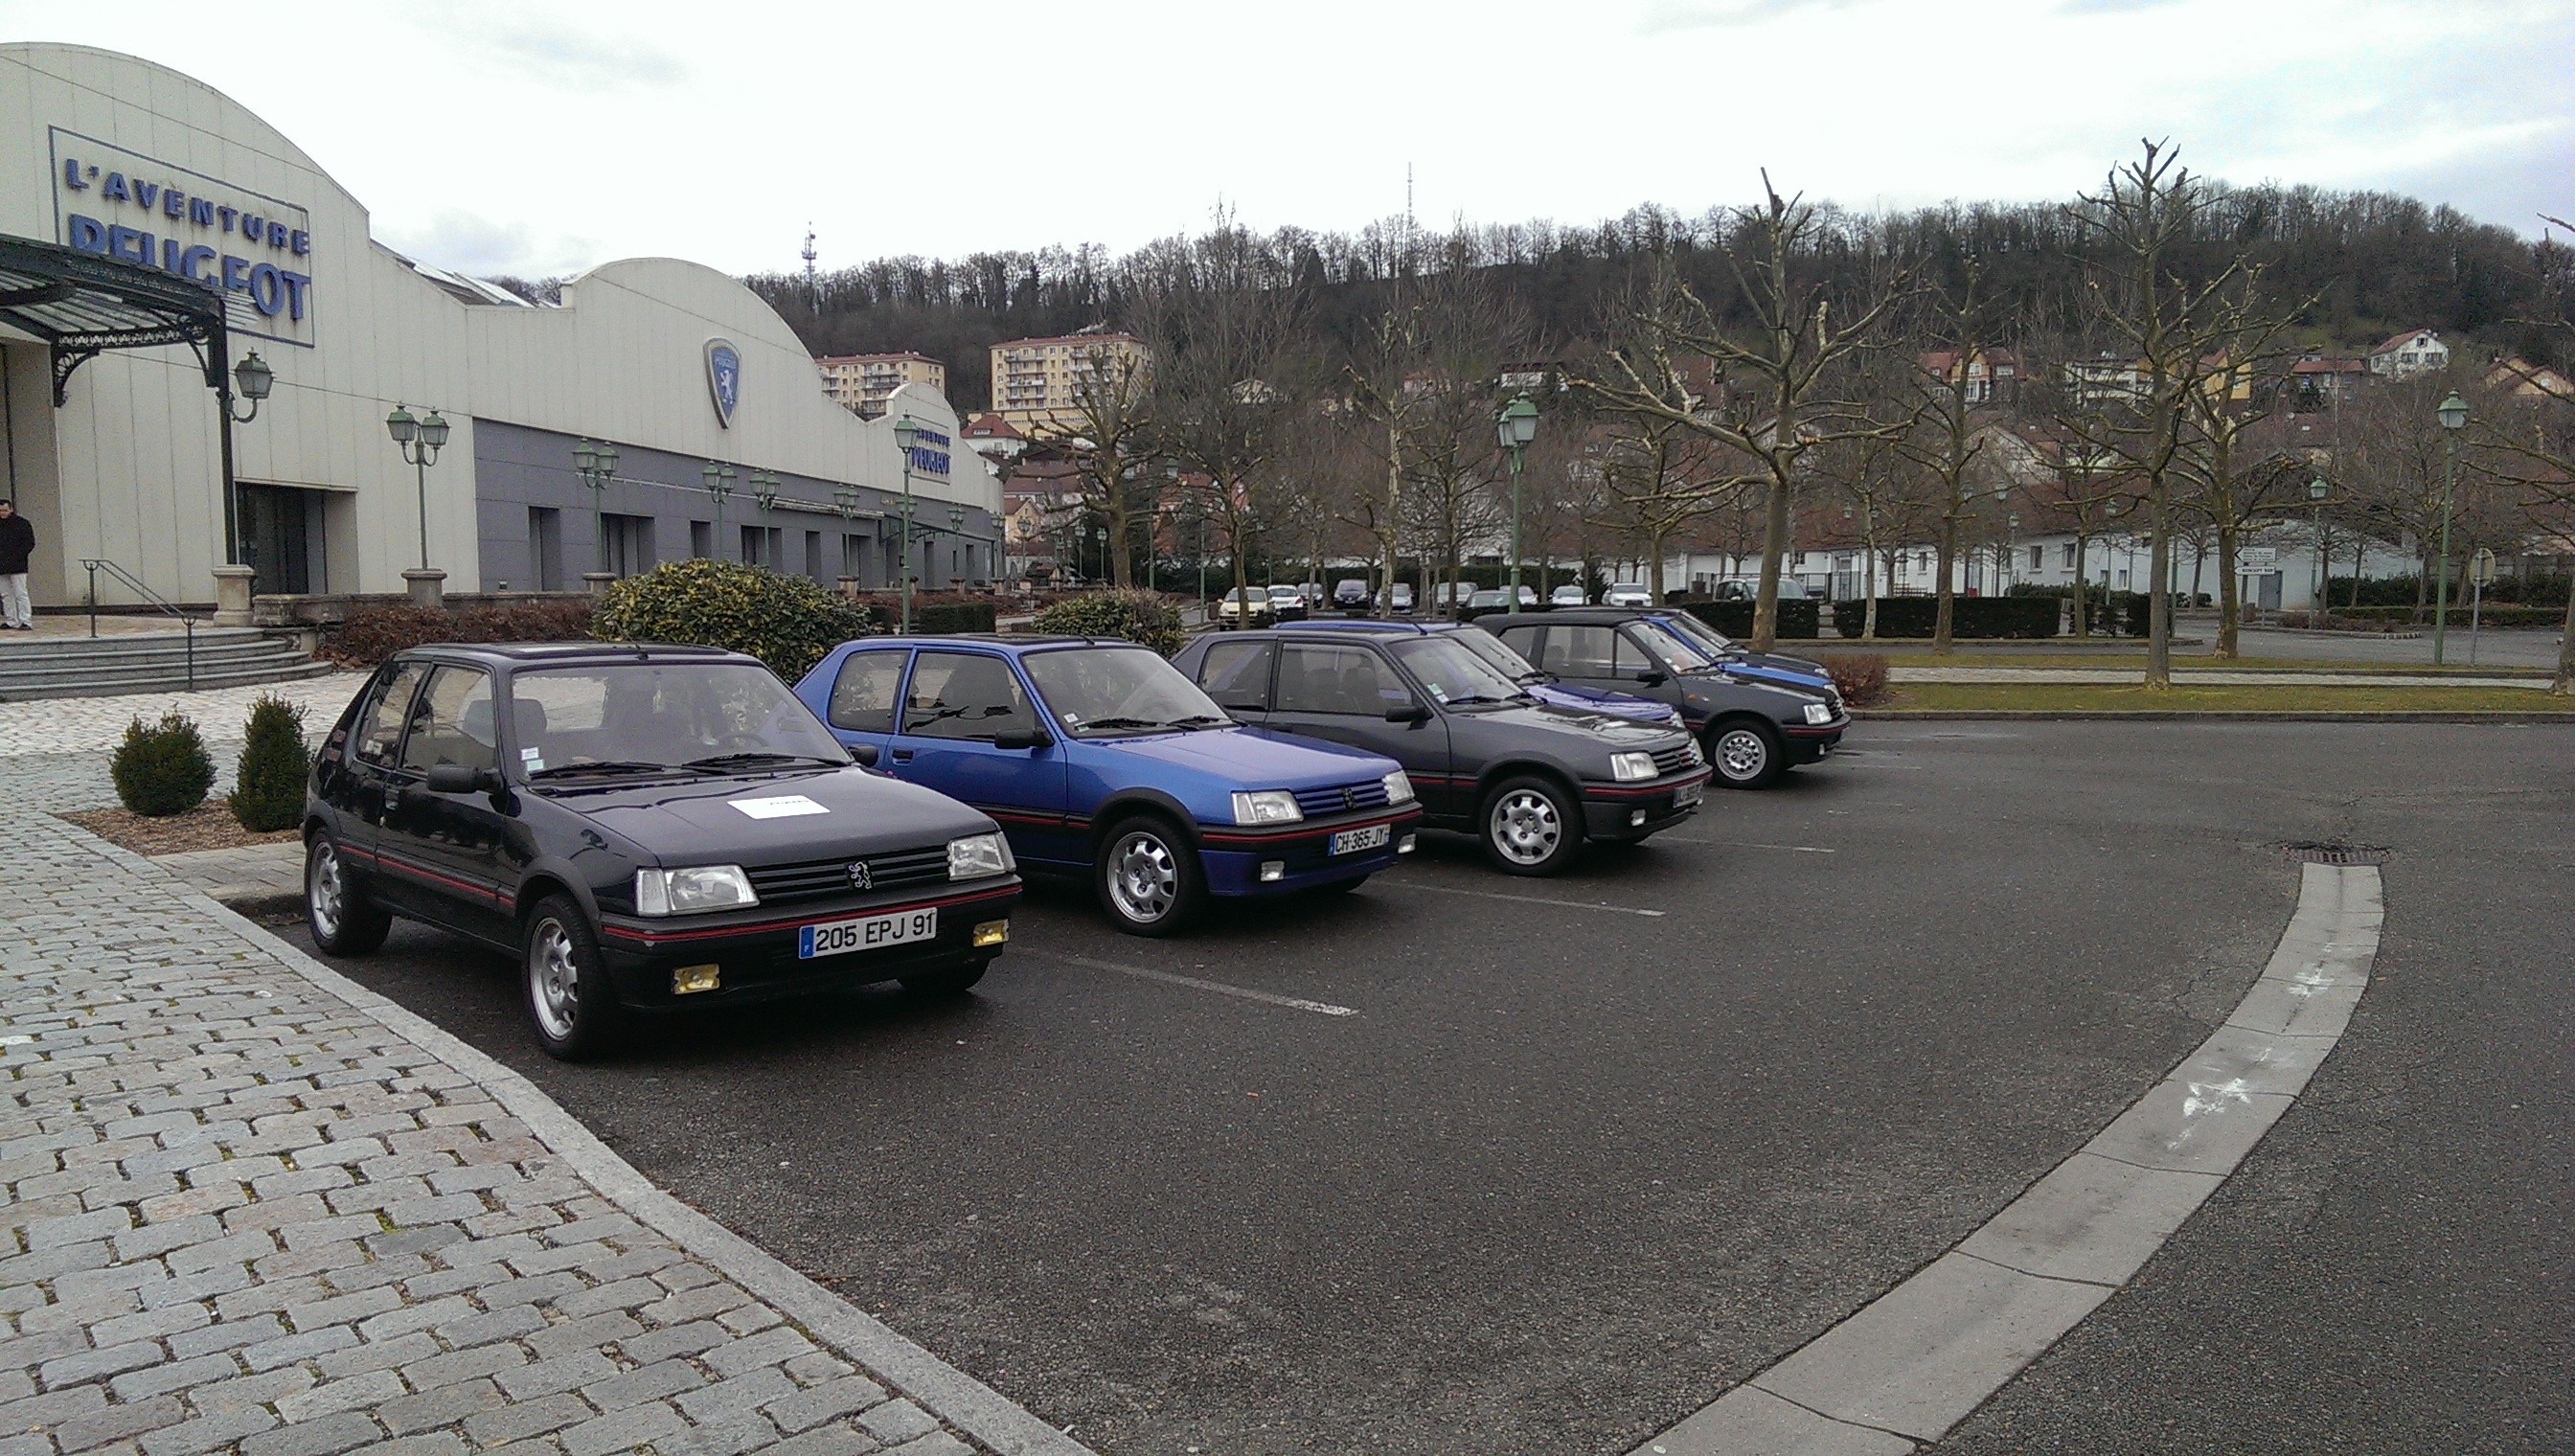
{"points": [[17, 544]]}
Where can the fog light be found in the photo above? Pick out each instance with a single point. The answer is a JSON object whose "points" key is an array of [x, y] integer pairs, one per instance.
{"points": [[991, 932], [689, 978], [1272, 869], [1405, 847], [1635, 817]]}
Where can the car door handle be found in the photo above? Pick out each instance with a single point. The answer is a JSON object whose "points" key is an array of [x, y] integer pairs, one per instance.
{"points": [[902, 756]]}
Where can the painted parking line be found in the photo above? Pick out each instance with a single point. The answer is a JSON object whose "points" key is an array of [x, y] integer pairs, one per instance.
{"points": [[1293, 1004], [1920, 1358], [1532, 899], [1748, 844]]}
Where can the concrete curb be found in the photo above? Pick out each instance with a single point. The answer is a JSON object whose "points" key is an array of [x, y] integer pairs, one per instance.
{"points": [[1905, 1369], [2106, 715], [945, 1391]]}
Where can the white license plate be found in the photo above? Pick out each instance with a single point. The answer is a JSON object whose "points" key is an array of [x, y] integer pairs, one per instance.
{"points": [[1351, 842], [840, 937], [1690, 794]]}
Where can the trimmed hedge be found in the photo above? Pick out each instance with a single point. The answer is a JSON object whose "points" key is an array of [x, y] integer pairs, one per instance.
{"points": [[787, 622], [162, 769], [2494, 616], [371, 633], [1138, 617], [1799, 617], [936, 616], [269, 778], [1970, 616]]}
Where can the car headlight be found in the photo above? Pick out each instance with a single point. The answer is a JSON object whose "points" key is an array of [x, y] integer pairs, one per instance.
{"points": [[1399, 788], [1627, 768], [692, 890], [1265, 806], [1697, 756], [977, 855], [1819, 713]]}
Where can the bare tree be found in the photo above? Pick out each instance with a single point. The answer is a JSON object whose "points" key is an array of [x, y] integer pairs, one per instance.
{"points": [[2531, 443], [1108, 433], [1944, 428], [1772, 398], [2237, 485], [1657, 479]]}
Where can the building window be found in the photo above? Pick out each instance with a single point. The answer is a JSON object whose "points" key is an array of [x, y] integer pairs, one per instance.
{"points": [[2069, 554], [630, 544], [814, 562], [2035, 563], [761, 546], [545, 549], [702, 538]]}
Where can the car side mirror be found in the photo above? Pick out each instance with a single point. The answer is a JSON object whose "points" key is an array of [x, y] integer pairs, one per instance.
{"points": [[1652, 676], [864, 753], [1408, 712], [1030, 738], [459, 779]]}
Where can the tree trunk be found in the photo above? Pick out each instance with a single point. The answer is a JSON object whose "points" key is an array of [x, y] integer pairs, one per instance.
{"points": [[2229, 594], [2159, 594], [2563, 685], [2359, 560], [2082, 562], [1868, 587], [1941, 620], [1774, 548]]}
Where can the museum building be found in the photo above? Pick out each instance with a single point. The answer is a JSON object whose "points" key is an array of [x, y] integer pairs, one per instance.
{"points": [[206, 361]]}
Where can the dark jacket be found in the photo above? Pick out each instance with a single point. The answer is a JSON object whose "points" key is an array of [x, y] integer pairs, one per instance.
{"points": [[17, 544]]}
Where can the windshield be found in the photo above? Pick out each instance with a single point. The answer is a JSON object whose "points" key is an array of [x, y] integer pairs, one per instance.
{"points": [[1119, 690], [1676, 652], [1496, 656], [662, 717], [1690, 628], [1453, 672]]}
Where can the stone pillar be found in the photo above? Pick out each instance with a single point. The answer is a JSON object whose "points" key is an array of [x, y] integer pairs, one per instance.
{"points": [[850, 587], [598, 582], [232, 595], [428, 587]]}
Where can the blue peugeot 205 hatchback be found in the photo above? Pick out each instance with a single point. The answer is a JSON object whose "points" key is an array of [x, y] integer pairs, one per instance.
{"points": [[1096, 757]]}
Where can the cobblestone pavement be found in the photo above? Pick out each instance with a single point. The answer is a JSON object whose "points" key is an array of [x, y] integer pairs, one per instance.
{"points": [[251, 1207], [56, 725]]}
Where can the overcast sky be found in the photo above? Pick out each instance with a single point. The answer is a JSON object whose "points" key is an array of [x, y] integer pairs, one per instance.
{"points": [[544, 136]]}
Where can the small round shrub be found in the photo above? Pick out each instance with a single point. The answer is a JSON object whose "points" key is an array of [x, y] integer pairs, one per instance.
{"points": [[267, 784], [162, 769], [1860, 678], [1133, 614], [785, 622]]}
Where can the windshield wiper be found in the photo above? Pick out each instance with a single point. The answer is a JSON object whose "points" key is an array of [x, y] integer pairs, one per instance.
{"points": [[1126, 723], [729, 760], [606, 766], [1203, 720], [1485, 697]]}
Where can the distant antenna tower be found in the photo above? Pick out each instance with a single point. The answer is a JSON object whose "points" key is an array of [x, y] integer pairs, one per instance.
{"points": [[809, 256]]}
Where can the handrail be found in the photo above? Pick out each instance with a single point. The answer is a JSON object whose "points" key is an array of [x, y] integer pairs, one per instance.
{"points": [[135, 584]]}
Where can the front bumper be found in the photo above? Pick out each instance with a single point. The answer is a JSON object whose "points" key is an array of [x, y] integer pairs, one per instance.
{"points": [[1808, 743], [1633, 810], [754, 950], [1232, 857]]}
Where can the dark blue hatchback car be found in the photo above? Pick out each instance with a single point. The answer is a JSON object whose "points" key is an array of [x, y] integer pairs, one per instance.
{"points": [[1096, 757]]}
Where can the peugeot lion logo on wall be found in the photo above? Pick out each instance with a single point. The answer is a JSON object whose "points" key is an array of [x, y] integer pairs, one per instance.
{"points": [[724, 378]]}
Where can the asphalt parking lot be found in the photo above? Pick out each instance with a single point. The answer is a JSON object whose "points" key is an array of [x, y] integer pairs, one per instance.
{"points": [[1463, 1162]]}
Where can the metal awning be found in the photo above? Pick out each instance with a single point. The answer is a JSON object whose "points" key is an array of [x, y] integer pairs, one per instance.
{"points": [[81, 304]]}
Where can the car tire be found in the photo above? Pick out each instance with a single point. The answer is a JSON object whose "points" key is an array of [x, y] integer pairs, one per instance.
{"points": [[1148, 877], [1746, 753], [336, 908], [1531, 825], [944, 985], [571, 1002]]}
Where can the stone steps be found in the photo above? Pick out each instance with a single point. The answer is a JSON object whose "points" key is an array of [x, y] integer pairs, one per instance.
{"points": [[84, 666]]}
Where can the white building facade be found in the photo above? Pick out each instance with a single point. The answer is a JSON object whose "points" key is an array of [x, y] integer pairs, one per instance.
{"points": [[126, 181]]}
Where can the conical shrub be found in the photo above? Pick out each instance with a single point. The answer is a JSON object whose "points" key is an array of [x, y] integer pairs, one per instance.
{"points": [[162, 769], [268, 790]]}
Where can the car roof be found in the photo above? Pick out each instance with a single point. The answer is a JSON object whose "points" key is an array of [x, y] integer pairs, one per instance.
{"points": [[524, 653], [1009, 641], [1364, 623]]}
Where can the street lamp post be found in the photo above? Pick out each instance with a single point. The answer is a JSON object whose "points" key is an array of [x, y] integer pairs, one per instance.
{"points": [[763, 494], [2317, 490], [254, 379], [956, 528], [2453, 415], [596, 466], [2481, 571], [2011, 548], [1516, 427], [905, 433], [419, 441], [717, 479]]}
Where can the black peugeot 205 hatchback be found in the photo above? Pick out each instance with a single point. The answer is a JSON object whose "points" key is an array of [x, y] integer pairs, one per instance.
{"points": [[646, 828]]}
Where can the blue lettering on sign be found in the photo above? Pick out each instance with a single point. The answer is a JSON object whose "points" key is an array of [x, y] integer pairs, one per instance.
{"points": [[72, 176], [191, 260], [88, 233], [267, 289], [113, 186]]}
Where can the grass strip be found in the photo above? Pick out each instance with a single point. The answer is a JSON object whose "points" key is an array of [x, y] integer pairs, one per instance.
{"points": [[2184, 698]]}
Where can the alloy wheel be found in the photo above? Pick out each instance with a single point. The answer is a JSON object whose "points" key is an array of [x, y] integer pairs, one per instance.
{"points": [[326, 887], [1525, 826], [1144, 877], [1742, 753], [554, 979]]}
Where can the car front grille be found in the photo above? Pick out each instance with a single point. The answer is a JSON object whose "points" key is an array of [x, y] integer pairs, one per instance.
{"points": [[1341, 797], [1672, 760], [813, 878]]}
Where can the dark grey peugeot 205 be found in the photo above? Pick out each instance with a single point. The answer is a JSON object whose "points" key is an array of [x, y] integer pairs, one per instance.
{"points": [[646, 828]]}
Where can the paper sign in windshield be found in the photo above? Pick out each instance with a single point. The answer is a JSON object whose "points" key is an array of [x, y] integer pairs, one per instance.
{"points": [[783, 806]]}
